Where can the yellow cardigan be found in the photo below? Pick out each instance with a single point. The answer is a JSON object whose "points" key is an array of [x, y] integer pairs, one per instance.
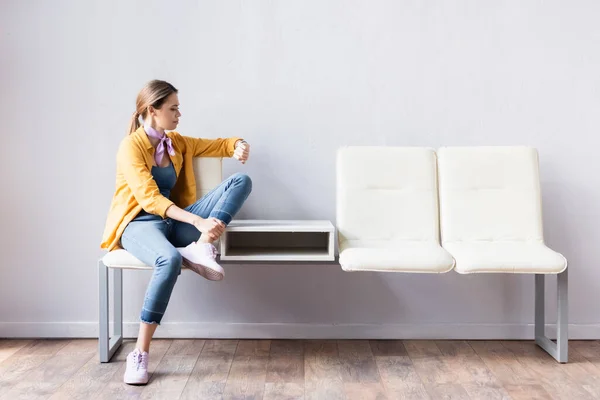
{"points": [[136, 189]]}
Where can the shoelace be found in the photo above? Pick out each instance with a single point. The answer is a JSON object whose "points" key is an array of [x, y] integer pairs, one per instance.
{"points": [[139, 360], [210, 250], [213, 251]]}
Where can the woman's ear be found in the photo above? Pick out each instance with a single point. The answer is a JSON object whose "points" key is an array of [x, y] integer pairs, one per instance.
{"points": [[151, 111]]}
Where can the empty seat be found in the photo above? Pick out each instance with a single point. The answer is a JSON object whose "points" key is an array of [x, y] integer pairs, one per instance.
{"points": [[491, 212], [387, 210]]}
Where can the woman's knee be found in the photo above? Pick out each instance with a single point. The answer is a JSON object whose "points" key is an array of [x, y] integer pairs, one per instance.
{"points": [[243, 180], [169, 264]]}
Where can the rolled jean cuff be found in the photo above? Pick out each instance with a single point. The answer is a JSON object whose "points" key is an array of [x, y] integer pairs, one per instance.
{"points": [[221, 215], [150, 317]]}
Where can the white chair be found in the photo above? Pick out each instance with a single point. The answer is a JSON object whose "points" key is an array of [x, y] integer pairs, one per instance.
{"points": [[387, 210], [491, 222], [208, 174]]}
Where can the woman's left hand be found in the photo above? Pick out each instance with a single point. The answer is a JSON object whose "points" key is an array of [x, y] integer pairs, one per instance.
{"points": [[242, 151]]}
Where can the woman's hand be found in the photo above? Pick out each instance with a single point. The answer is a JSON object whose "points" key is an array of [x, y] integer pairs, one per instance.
{"points": [[212, 227], [242, 151]]}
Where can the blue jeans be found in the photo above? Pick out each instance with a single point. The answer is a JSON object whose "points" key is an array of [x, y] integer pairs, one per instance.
{"points": [[153, 240]]}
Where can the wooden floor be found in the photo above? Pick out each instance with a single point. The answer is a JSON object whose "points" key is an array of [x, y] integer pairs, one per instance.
{"points": [[302, 369]]}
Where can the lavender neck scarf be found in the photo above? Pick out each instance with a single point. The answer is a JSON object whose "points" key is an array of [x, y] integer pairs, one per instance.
{"points": [[164, 142]]}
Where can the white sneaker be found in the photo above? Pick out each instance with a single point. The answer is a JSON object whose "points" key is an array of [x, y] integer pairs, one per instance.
{"points": [[137, 368], [200, 258]]}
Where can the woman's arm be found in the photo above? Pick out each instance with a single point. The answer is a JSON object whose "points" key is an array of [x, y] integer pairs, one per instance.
{"points": [[209, 226], [219, 147]]}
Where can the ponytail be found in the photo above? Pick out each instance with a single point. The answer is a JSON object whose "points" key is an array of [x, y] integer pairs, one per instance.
{"points": [[135, 123]]}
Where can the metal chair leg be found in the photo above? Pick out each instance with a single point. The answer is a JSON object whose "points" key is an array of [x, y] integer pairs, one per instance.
{"points": [[560, 349], [107, 345]]}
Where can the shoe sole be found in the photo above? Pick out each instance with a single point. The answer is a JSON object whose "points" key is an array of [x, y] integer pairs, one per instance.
{"points": [[203, 271], [135, 382]]}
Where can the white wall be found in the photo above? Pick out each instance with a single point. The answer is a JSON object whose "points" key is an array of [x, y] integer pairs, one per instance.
{"points": [[297, 79]]}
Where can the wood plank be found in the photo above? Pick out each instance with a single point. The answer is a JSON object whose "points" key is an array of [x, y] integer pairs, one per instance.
{"points": [[251, 348], [170, 378], [581, 361], [286, 346], [515, 378], [322, 371], [527, 392], [359, 370], [357, 362], [42, 382], [209, 376], [400, 379], [28, 358], [92, 377], [286, 365], [582, 371], [503, 364], [547, 370], [327, 348], [590, 349], [116, 389], [449, 391], [79, 346], [388, 348], [285, 369], [364, 391], [438, 378], [427, 359], [8, 347], [42, 347], [396, 370], [471, 372], [185, 348], [172, 373], [284, 391], [248, 372]]}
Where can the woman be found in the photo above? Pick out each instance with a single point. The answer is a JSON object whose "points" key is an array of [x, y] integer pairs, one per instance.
{"points": [[154, 209]]}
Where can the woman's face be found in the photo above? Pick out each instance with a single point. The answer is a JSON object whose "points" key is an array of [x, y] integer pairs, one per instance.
{"points": [[167, 116]]}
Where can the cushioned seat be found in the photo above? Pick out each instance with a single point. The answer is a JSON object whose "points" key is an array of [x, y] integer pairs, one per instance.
{"points": [[511, 257], [123, 259], [387, 210], [491, 211], [405, 256]]}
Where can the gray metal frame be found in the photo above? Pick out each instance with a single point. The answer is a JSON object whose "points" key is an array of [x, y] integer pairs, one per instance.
{"points": [[107, 345], [558, 350]]}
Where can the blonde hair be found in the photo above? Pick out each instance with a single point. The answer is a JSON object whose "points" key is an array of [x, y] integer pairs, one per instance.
{"points": [[154, 94]]}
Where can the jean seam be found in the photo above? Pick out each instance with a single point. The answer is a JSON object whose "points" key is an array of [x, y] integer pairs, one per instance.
{"points": [[221, 201], [154, 312]]}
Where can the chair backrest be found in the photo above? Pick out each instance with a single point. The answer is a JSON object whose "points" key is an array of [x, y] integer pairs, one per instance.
{"points": [[489, 193], [385, 195], [208, 172]]}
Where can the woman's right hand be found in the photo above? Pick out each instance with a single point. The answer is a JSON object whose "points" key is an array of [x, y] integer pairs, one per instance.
{"points": [[212, 227]]}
